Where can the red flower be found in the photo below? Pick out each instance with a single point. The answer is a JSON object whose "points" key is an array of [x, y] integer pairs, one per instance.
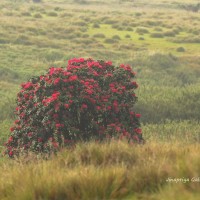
{"points": [[115, 103], [55, 95], [12, 129], [95, 73], [105, 100], [112, 125], [76, 60], [73, 78], [71, 87], [70, 101], [26, 85], [118, 128], [89, 92], [30, 134], [56, 106], [26, 96], [93, 63], [22, 115], [66, 106], [40, 139], [17, 121], [86, 83], [55, 116], [109, 107], [11, 153], [109, 75], [138, 130], [135, 137], [134, 83], [84, 106], [66, 73], [123, 88], [55, 144], [56, 81], [98, 107], [109, 63], [92, 100], [112, 85], [10, 139], [114, 90], [51, 71], [59, 125], [138, 115], [125, 133]]}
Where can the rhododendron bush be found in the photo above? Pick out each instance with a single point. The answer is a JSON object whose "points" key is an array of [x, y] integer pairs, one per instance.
{"points": [[87, 100]]}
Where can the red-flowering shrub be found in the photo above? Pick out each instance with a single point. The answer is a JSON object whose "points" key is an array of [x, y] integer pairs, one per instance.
{"points": [[86, 100]]}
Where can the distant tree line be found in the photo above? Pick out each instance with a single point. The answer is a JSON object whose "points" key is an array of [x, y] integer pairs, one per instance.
{"points": [[37, 1], [80, 1], [191, 7]]}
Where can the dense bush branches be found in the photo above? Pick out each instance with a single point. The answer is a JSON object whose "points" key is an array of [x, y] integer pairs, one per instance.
{"points": [[86, 100]]}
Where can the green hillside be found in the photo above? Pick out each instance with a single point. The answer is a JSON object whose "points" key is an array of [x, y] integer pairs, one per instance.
{"points": [[160, 39]]}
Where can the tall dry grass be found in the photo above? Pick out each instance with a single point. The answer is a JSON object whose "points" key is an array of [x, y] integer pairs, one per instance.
{"points": [[105, 171]]}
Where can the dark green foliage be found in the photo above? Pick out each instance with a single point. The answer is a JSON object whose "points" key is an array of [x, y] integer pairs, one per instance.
{"points": [[156, 35], [26, 14], [37, 1], [116, 37], [95, 25], [190, 7], [127, 36], [169, 34], [110, 41], [52, 14], [142, 30], [141, 38], [37, 15], [190, 39], [99, 35], [180, 49], [158, 29], [81, 1], [129, 29]]}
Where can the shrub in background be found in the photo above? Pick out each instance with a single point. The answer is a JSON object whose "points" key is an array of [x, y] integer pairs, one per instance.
{"points": [[142, 30], [156, 35], [180, 49], [37, 1], [87, 100]]}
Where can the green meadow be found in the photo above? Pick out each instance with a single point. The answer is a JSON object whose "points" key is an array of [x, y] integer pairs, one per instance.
{"points": [[160, 39]]}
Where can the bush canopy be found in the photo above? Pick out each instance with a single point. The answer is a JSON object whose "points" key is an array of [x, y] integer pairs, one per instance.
{"points": [[87, 100]]}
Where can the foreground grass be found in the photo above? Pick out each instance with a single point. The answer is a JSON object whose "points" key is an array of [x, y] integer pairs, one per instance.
{"points": [[105, 171]]}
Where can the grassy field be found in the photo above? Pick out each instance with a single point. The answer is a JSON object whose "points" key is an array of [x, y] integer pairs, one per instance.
{"points": [[106, 171], [161, 41]]}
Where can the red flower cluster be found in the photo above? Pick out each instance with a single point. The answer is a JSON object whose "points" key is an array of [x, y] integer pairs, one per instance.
{"points": [[86, 100]]}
